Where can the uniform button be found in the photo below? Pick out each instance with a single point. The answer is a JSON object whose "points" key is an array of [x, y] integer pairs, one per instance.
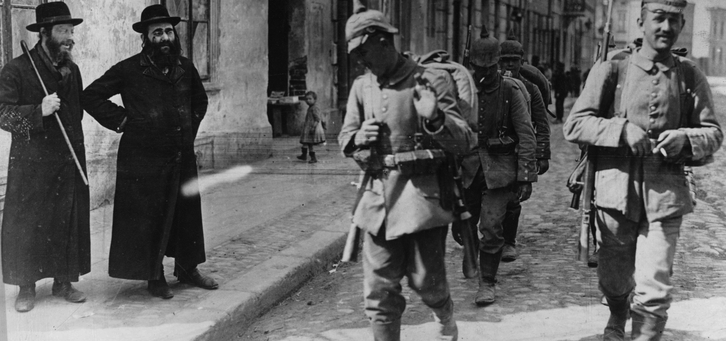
{"points": [[654, 95], [178, 154], [650, 132], [178, 128], [652, 120], [384, 109], [655, 81], [652, 107], [385, 96]]}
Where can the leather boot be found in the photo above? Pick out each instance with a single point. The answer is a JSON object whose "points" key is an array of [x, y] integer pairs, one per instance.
{"points": [[619, 314], [488, 267], [304, 155], [446, 324], [67, 291], [313, 159], [386, 331], [195, 278], [26, 298], [647, 327]]}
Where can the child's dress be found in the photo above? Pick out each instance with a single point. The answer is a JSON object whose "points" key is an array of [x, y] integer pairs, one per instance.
{"points": [[313, 132]]}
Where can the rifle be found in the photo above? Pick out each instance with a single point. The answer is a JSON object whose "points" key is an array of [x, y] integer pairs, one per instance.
{"points": [[468, 234], [588, 213]]}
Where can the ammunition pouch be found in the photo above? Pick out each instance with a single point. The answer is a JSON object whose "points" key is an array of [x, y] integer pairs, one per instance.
{"points": [[416, 162], [501, 144]]}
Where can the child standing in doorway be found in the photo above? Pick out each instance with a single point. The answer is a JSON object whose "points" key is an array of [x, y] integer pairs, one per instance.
{"points": [[313, 130]]}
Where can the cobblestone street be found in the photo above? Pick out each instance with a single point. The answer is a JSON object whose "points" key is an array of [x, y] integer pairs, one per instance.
{"points": [[545, 294]]}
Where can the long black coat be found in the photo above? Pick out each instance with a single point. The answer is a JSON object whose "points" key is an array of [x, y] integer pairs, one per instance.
{"points": [[156, 157], [45, 228]]}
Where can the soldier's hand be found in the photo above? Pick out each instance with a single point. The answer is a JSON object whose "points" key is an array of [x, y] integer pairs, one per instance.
{"points": [[456, 232], [368, 132], [670, 143], [636, 139], [524, 191], [50, 104], [424, 99], [543, 165]]}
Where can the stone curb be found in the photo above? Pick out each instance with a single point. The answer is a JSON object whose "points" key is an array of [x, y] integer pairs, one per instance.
{"points": [[243, 299]]}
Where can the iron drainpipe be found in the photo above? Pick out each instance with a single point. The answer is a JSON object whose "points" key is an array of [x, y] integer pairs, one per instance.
{"points": [[456, 39]]}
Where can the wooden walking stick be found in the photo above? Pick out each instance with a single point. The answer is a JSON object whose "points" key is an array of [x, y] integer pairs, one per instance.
{"points": [[24, 46]]}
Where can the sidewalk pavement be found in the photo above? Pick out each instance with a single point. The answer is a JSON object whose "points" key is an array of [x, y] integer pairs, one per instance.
{"points": [[266, 233]]}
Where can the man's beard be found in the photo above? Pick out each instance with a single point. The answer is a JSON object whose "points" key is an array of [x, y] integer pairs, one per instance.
{"points": [[161, 58], [57, 54]]}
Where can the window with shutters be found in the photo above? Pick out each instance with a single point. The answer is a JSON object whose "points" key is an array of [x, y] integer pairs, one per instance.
{"points": [[198, 32]]}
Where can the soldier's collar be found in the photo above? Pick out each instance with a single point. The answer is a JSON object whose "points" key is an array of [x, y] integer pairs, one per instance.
{"points": [[647, 63], [408, 67]]}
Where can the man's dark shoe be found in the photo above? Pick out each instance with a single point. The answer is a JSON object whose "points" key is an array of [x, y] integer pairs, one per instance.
{"points": [[195, 278], [509, 253], [593, 259], [159, 288], [26, 299], [67, 291], [485, 294]]}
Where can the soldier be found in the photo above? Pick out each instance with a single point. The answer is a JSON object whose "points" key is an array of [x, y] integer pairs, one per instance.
{"points": [[511, 61], [642, 142], [503, 166], [403, 206], [561, 87], [45, 230]]}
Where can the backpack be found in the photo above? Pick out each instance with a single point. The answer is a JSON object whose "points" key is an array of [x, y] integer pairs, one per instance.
{"points": [[464, 84], [619, 62]]}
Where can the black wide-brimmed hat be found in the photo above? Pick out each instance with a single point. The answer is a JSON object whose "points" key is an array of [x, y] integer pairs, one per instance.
{"points": [[152, 15], [52, 13]]}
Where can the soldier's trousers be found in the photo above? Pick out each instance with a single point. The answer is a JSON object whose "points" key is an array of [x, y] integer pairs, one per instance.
{"points": [[637, 256], [420, 258], [488, 206]]}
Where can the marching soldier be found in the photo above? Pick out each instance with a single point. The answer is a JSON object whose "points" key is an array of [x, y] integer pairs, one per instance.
{"points": [[511, 60], [503, 166], [404, 206], [661, 114]]}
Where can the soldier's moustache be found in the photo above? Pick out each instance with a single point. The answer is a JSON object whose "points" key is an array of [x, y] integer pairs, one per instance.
{"points": [[207, 182]]}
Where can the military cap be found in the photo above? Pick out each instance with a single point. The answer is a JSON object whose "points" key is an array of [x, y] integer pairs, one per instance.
{"points": [[485, 51], [667, 6], [363, 23], [511, 49]]}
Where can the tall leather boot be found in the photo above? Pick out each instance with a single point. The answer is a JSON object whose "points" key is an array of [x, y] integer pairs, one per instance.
{"points": [[647, 327], [444, 316], [304, 155], [313, 159], [386, 331], [488, 267], [619, 314]]}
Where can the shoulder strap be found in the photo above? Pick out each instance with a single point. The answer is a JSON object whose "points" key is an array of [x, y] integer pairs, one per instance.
{"points": [[686, 81], [506, 94]]}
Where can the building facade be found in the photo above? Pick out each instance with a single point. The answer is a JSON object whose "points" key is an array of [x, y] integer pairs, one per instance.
{"points": [[717, 42]]}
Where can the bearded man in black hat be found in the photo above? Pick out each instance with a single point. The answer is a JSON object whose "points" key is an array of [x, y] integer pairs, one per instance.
{"points": [[45, 230], [164, 103]]}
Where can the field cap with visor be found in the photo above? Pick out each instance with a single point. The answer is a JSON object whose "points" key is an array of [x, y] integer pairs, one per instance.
{"points": [[363, 23], [665, 6]]}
